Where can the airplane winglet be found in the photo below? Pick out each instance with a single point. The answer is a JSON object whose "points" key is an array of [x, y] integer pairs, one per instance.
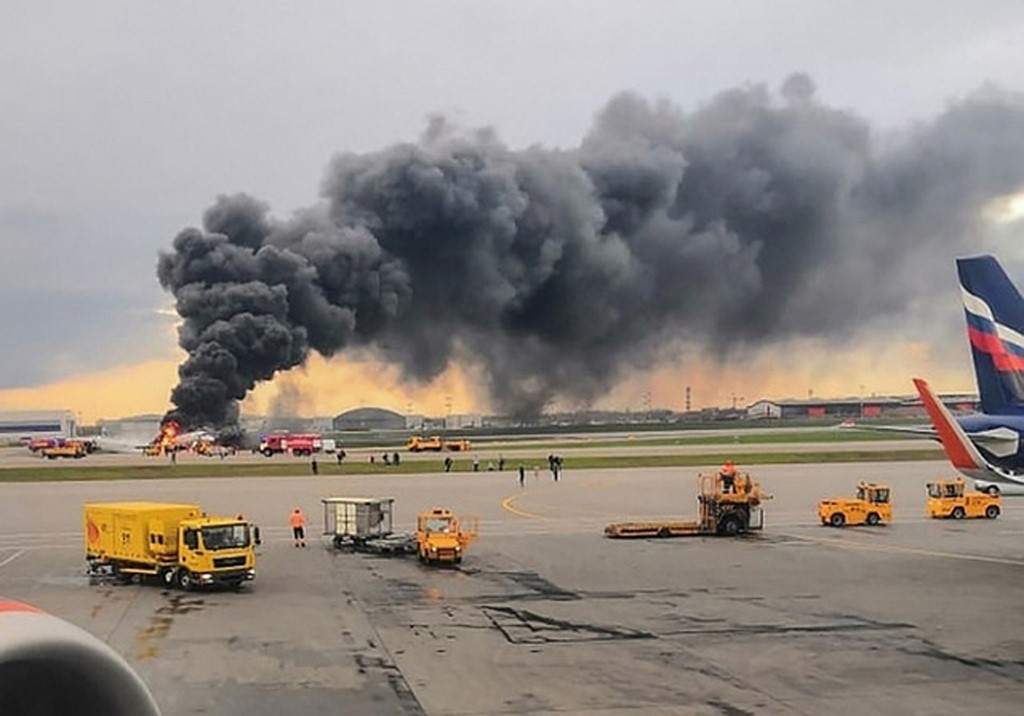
{"points": [[959, 448]]}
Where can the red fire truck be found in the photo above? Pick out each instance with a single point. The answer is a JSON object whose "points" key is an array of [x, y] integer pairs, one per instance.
{"points": [[298, 444]]}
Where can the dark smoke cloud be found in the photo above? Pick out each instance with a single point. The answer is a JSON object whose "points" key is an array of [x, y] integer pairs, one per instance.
{"points": [[756, 218]]}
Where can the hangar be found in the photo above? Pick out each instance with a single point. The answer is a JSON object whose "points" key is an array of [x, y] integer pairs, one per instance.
{"points": [[369, 419], [18, 424]]}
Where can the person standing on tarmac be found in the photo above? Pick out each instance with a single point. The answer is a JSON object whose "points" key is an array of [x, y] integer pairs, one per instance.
{"points": [[298, 523], [522, 475], [728, 476], [314, 466]]}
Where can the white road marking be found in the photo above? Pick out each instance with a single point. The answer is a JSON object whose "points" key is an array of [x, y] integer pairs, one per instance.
{"points": [[12, 558]]}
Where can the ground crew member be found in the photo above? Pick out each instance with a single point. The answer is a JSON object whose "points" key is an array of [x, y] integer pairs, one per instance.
{"points": [[298, 523], [501, 463], [522, 475], [728, 476], [314, 466], [396, 459]]}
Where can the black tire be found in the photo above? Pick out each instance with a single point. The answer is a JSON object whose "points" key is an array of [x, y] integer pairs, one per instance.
{"points": [[235, 584], [167, 577], [992, 511], [992, 489], [838, 519], [872, 519], [339, 542], [664, 532], [186, 582], [958, 513], [267, 452], [730, 526]]}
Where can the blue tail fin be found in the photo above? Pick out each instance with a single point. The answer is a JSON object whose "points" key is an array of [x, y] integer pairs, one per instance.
{"points": [[995, 329]]}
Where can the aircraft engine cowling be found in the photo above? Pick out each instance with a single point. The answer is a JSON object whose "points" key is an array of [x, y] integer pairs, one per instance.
{"points": [[49, 667]]}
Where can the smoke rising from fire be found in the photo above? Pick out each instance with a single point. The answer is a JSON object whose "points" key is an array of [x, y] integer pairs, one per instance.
{"points": [[758, 217]]}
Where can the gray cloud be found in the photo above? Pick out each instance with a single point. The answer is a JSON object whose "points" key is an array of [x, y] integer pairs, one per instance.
{"points": [[755, 219]]}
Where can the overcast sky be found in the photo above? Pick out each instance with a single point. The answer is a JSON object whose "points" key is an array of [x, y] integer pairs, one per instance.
{"points": [[122, 121]]}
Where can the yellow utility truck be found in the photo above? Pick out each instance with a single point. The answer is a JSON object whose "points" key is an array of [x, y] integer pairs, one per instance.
{"points": [[74, 450], [723, 509], [176, 544], [871, 506], [441, 537], [949, 498], [418, 444]]}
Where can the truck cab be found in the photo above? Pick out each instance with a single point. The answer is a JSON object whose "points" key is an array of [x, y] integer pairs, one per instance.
{"points": [[214, 550]]}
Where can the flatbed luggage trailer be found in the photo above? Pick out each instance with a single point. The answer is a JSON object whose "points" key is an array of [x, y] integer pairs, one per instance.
{"points": [[365, 524], [726, 513]]}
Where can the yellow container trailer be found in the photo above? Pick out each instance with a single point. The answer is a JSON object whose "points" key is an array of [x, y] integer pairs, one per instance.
{"points": [[178, 544]]}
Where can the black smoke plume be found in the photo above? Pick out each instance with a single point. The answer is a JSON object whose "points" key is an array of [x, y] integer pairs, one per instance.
{"points": [[756, 218]]}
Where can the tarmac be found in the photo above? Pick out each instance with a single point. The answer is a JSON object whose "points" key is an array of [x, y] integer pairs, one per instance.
{"points": [[546, 615]]}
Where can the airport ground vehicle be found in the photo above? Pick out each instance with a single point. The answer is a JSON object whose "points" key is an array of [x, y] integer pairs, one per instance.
{"points": [[949, 498], [462, 445], [178, 544], [441, 537], [418, 444], [299, 444], [871, 506], [73, 450], [720, 512], [365, 524]]}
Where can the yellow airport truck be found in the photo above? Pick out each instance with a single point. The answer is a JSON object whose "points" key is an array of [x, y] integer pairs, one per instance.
{"points": [[949, 498], [872, 506], [727, 510], [441, 537], [176, 544], [75, 450]]}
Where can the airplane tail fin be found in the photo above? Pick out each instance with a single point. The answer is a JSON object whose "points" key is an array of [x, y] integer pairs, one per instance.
{"points": [[995, 329], [958, 447]]}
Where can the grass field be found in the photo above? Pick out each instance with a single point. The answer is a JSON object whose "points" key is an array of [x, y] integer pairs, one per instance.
{"points": [[739, 438], [287, 469]]}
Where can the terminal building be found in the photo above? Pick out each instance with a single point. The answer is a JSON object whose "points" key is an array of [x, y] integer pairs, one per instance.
{"points": [[17, 425], [845, 408]]}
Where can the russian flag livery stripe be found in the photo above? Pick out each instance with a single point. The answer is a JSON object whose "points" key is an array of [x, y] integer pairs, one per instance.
{"points": [[1002, 343], [995, 329]]}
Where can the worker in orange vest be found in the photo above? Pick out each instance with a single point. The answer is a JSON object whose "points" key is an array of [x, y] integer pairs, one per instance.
{"points": [[298, 523], [728, 476]]}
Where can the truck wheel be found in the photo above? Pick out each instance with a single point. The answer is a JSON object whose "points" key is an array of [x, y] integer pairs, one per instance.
{"points": [[730, 526], [838, 519], [992, 511], [267, 452], [872, 518], [664, 532], [167, 577], [992, 490], [339, 542], [185, 580], [958, 513]]}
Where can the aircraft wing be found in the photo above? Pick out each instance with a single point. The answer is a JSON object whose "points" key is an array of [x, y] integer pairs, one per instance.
{"points": [[999, 441], [915, 430]]}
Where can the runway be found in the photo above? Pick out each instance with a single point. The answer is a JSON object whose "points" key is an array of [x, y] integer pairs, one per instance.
{"points": [[546, 615]]}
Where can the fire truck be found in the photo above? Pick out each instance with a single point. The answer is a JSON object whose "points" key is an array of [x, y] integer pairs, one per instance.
{"points": [[299, 444]]}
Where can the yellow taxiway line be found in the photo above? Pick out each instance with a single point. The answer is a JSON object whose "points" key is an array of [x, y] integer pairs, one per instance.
{"points": [[506, 504]]}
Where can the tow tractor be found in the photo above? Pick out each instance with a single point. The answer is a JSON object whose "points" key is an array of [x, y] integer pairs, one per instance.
{"points": [[722, 510], [366, 524], [949, 498], [871, 506], [443, 537]]}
